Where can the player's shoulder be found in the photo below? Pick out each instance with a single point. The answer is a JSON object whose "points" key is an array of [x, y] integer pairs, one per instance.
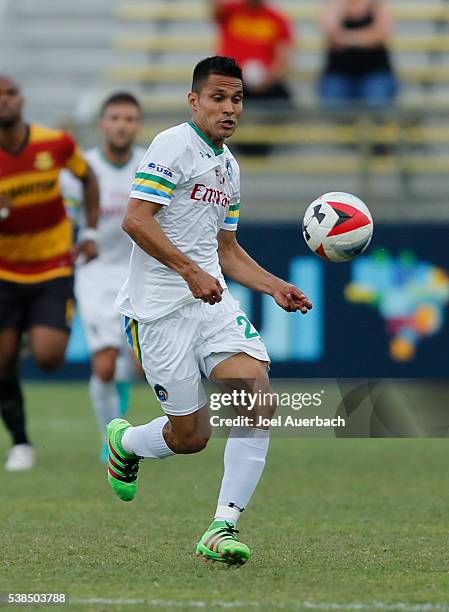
{"points": [[232, 6], [274, 12], [177, 135], [41, 133]]}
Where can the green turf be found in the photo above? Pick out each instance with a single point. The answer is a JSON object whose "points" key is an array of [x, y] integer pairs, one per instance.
{"points": [[333, 521]]}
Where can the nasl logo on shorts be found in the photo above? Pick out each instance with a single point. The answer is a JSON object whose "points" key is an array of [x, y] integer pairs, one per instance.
{"points": [[161, 393]]}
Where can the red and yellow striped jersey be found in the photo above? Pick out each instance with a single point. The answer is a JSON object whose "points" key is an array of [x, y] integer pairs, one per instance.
{"points": [[36, 237]]}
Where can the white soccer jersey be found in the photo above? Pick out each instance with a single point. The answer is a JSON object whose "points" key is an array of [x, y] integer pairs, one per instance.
{"points": [[199, 188], [97, 282], [114, 245]]}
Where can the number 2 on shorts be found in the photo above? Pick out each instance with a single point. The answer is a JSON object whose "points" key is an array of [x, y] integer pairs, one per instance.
{"points": [[241, 320]]}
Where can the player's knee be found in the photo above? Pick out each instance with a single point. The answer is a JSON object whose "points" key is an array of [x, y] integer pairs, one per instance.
{"points": [[104, 364], [105, 371], [266, 409], [193, 443], [50, 362]]}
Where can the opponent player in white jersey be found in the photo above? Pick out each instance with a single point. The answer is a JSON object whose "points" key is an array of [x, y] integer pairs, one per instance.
{"points": [[97, 283], [178, 313]]}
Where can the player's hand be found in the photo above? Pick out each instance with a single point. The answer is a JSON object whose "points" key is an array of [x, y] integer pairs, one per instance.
{"points": [[5, 207], [204, 286], [291, 299], [85, 251]]}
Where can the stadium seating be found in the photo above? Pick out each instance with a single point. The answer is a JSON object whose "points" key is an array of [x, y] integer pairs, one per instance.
{"points": [[163, 39], [149, 47], [178, 33], [58, 51], [305, 11], [429, 43], [182, 75]]}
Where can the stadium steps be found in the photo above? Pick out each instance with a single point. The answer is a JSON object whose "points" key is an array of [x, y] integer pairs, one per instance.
{"points": [[58, 52], [67, 35], [306, 11], [72, 61], [429, 43], [54, 9], [331, 164], [182, 74], [326, 132], [160, 104]]}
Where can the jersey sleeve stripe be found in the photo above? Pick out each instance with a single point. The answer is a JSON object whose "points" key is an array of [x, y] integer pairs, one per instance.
{"points": [[231, 220], [156, 179], [154, 185], [77, 164], [150, 191]]}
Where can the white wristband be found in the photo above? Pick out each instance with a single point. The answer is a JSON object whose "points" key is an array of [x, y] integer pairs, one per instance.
{"points": [[88, 233]]}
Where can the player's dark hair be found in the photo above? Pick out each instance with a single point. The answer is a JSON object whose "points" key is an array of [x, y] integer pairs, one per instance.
{"points": [[121, 97], [218, 64]]}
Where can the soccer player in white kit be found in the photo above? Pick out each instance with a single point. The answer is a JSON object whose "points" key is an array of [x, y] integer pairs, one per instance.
{"points": [[98, 282], [178, 313]]}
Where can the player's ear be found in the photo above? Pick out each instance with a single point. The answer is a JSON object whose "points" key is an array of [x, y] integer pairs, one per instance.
{"points": [[192, 99]]}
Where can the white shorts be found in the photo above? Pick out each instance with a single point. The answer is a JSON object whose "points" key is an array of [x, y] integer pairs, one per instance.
{"points": [[101, 321], [176, 349]]}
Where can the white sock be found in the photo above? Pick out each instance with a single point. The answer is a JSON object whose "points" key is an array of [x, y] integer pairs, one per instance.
{"points": [[105, 401], [147, 440], [244, 461]]}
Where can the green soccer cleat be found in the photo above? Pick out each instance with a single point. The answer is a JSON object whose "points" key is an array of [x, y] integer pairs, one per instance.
{"points": [[220, 543], [122, 466]]}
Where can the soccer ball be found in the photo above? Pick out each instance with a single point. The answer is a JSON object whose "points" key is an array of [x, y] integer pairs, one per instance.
{"points": [[337, 226]]}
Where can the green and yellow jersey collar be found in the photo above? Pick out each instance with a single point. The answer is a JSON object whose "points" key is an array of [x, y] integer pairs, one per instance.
{"points": [[203, 136]]}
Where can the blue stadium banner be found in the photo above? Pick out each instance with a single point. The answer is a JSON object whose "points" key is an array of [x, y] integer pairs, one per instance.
{"points": [[383, 315]]}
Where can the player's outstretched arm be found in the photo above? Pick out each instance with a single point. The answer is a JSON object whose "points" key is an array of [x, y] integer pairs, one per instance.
{"points": [[139, 223], [240, 267]]}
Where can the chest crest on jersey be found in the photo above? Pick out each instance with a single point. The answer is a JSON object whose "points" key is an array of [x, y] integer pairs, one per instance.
{"points": [[219, 175], [44, 161]]}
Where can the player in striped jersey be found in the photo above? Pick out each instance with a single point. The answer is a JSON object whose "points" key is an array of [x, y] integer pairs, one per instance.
{"points": [[36, 253], [178, 314]]}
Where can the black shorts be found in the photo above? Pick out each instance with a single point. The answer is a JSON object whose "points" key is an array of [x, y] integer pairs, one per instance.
{"points": [[24, 305]]}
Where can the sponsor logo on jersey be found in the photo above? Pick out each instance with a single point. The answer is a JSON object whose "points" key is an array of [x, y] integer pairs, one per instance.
{"points": [[161, 393], [29, 189], [202, 193], [44, 161], [160, 169]]}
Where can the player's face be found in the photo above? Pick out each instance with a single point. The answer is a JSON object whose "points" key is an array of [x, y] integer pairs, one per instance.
{"points": [[10, 103], [217, 108], [120, 124]]}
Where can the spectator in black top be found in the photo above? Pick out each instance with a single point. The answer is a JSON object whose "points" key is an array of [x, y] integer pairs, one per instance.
{"points": [[358, 67]]}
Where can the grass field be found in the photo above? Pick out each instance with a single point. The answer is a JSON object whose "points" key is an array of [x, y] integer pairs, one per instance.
{"points": [[336, 524]]}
